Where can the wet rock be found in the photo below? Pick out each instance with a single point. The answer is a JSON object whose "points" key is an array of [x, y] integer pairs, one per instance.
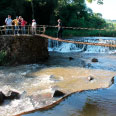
{"points": [[12, 95], [94, 60], [52, 76], [90, 78], [2, 97], [88, 65], [71, 58], [112, 80], [58, 93]]}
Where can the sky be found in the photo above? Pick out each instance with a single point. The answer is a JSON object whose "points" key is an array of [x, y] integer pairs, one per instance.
{"points": [[108, 9]]}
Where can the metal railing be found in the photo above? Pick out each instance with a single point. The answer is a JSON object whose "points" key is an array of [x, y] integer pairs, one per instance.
{"points": [[14, 30]]}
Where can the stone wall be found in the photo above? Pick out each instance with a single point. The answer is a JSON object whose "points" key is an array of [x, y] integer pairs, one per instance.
{"points": [[24, 49]]}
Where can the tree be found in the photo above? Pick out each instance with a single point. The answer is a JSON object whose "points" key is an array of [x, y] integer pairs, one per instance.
{"points": [[98, 1], [32, 6]]}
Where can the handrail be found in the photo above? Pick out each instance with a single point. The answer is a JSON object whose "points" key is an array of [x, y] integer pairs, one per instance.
{"points": [[78, 28], [42, 28], [27, 29], [46, 26]]}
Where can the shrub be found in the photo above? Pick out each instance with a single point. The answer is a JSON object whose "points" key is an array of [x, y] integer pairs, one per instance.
{"points": [[3, 57]]}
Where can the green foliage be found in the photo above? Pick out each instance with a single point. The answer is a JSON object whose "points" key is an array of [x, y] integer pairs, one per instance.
{"points": [[82, 32], [71, 12], [98, 1], [3, 57]]}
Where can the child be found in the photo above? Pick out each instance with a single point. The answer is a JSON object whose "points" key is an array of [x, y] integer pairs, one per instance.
{"points": [[34, 26]]}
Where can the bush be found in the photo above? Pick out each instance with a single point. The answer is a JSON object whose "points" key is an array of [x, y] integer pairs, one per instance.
{"points": [[3, 57]]}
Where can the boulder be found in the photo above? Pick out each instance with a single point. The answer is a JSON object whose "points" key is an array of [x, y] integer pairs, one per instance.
{"points": [[58, 93], [12, 95], [94, 60], [71, 58], [2, 97], [90, 78]]}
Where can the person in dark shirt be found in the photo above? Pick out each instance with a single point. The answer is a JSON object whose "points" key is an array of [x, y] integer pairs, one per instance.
{"points": [[59, 34]]}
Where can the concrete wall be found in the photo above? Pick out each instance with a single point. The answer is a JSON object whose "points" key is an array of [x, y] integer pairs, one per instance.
{"points": [[24, 49]]}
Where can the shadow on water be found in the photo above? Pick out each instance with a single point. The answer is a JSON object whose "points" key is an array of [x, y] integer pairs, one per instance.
{"points": [[101, 102]]}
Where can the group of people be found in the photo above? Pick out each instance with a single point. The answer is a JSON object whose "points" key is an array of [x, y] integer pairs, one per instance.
{"points": [[19, 25]]}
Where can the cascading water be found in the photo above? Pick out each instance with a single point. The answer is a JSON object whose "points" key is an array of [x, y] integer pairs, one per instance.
{"points": [[71, 47]]}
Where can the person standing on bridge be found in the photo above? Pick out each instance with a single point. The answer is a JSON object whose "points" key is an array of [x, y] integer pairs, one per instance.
{"points": [[34, 26], [16, 23], [23, 23], [59, 34], [19, 23], [8, 22]]}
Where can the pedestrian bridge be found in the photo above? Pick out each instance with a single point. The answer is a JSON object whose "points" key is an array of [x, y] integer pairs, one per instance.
{"points": [[41, 29]]}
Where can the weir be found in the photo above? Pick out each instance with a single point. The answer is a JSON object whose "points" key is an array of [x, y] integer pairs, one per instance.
{"points": [[60, 46], [78, 42]]}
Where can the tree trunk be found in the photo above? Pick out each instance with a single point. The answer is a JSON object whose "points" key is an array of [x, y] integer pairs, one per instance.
{"points": [[32, 5]]}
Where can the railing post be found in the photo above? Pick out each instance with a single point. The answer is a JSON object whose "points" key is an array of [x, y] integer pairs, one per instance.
{"points": [[28, 29], [13, 29], [5, 30], [1, 31], [44, 29]]}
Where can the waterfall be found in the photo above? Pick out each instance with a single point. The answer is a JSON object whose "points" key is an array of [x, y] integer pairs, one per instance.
{"points": [[71, 47], [64, 47]]}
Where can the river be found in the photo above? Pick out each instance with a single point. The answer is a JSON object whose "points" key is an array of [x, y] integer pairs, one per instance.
{"points": [[66, 63]]}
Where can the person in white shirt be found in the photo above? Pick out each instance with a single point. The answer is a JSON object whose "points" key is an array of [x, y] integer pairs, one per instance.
{"points": [[34, 26], [8, 22]]}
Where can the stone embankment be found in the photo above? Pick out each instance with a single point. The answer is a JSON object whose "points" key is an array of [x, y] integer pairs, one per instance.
{"points": [[24, 48]]}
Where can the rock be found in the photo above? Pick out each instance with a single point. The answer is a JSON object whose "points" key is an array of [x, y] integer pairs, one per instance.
{"points": [[94, 60], [51, 76], [90, 78], [71, 58], [88, 65], [12, 95], [58, 93], [2, 97], [112, 80]]}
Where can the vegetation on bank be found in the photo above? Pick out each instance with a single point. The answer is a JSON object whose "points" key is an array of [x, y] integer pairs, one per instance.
{"points": [[3, 57], [5, 60], [82, 32]]}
